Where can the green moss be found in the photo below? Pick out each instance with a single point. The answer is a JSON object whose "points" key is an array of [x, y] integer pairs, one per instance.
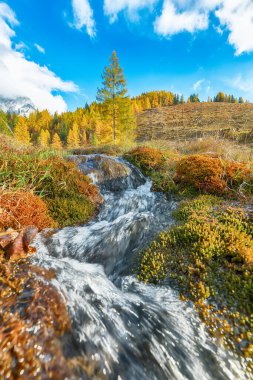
{"points": [[70, 211], [209, 258]]}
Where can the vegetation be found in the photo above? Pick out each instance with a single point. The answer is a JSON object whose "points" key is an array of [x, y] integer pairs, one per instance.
{"points": [[67, 196], [115, 105], [183, 122], [208, 256]]}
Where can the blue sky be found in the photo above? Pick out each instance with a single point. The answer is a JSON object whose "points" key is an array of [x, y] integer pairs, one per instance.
{"points": [[54, 51]]}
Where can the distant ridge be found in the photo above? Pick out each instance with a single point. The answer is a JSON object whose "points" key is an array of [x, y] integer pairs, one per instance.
{"points": [[22, 105], [195, 120]]}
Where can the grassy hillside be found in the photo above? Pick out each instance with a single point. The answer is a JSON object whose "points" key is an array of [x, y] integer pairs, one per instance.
{"points": [[194, 120]]}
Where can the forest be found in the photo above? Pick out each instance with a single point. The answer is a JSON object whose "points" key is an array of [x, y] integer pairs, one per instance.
{"points": [[110, 119]]}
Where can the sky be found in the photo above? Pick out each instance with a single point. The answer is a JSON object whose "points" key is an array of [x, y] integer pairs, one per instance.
{"points": [[54, 52]]}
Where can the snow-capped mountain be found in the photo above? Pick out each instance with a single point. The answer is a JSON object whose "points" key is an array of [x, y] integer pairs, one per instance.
{"points": [[21, 105]]}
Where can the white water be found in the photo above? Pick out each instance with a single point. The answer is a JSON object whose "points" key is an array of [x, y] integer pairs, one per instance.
{"points": [[127, 329]]}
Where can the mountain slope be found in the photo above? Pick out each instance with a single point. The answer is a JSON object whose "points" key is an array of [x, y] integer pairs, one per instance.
{"points": [[193, 120], [21, 105]]}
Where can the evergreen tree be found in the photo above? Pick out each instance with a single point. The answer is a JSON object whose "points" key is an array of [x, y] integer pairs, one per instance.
{"points": [[182, 99], [113, 97], [21, 131], [56, 142], [194, 98]]}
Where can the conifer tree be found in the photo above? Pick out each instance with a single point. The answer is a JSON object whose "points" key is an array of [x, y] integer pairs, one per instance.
{"points": [[147, 103], [44, 138], [113, 96], [155, 102], [21, 131], [73, 140], [56, 142]]}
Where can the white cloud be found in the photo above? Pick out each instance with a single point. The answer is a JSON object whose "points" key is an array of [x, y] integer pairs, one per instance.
{"points": [[173, 20], [243, 83], [21, 46], [7, 17], [40, 48], [113, 7], [83, 16], [21, 77], [198, 84], [237, 17]]}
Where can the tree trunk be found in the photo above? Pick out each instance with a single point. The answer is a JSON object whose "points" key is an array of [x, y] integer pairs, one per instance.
{"points": [[114, 120]]}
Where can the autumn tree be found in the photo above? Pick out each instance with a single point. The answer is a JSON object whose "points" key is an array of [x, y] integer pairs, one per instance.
{"points": [[44, 138], [56, 142], [113, 97], [73, 140], [21, 131], [220, 97]]}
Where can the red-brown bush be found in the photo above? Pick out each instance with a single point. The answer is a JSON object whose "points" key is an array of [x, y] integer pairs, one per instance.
{"points": [[20, 209], [210, 175]]}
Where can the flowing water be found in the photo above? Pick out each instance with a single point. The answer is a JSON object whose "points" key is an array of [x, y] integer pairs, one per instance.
{"points": [[126, 329]]}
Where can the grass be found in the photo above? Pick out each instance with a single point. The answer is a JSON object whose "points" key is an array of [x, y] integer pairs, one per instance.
{"points": [[69, 195], [197, 120]]}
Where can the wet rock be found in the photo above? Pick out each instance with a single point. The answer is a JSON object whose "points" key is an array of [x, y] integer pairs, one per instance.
{"points": [[16, 244]]}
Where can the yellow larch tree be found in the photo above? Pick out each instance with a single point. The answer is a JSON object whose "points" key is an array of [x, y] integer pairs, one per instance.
{"points": [[21, 131], [44, 138], [73, 140], [56, 142]]}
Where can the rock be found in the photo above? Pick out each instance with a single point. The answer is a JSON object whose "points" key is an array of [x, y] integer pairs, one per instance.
{"points": [[17, 244]]}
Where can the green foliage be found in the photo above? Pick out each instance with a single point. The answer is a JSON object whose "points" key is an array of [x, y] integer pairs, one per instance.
{"points": [[194, 98], [70, 211], [209, 258], [4, 126]]}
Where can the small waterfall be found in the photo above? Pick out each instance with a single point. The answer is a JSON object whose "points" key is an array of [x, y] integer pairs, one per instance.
{"points": [[126, 329]]}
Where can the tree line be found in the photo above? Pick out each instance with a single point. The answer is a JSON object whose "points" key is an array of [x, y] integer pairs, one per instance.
{"points": [[109, 119]]}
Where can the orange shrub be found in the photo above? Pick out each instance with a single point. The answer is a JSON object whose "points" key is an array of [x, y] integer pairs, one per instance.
{"points": [[203, 173], [236, 173], [209, 174], [20, 209], [146, 158]]}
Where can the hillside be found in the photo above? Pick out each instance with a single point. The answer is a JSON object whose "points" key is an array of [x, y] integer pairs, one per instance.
{"points": [[193, 120]]}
